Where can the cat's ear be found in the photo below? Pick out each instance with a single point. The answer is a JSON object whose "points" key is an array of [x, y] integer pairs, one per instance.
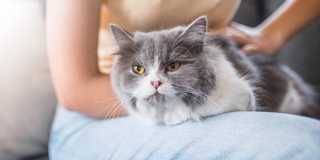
{"points": [[121, 36], [196, 31]]}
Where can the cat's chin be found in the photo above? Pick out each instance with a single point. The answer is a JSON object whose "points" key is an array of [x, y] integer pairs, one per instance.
{"points": [[156, 98]]}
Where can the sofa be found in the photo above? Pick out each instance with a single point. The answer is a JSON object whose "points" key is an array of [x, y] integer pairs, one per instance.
{"points": [[27, 100], [26, 94]]}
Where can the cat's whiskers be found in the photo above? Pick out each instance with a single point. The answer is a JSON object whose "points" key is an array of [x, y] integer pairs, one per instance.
{"points": [[116, 110], [198, 94], [189, 90], [109, 111]]}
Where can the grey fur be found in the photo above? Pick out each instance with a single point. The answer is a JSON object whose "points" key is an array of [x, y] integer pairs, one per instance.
{"points": [[270, 78], [179, 44], [196, 80]]}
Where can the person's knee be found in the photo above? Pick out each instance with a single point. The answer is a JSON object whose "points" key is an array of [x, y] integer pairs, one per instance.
{"points": [[241, 135], [265, 136]]}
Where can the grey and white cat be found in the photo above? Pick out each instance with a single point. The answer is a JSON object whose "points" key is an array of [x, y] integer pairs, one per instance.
{"points": [[171, 76]]}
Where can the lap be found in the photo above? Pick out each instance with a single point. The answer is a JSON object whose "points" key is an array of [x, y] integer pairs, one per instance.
{"points": [[238, 135]]}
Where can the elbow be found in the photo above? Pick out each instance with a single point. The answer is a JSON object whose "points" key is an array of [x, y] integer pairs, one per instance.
{"points": [[69, 100]]}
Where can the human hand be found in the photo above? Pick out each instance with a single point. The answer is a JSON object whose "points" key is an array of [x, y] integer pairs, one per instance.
{"points": [[252, 40], [105, 63]]}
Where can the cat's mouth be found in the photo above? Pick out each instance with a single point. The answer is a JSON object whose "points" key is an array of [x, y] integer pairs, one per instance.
{"points": [[155, 98]]}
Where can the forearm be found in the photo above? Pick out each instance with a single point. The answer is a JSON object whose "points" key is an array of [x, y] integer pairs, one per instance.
{"points": [[289, 19], [222, 14], [72, 35], [93, 97]]}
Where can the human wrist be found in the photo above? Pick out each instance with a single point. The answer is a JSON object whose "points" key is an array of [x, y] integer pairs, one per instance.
{"points": [[271, 39]]}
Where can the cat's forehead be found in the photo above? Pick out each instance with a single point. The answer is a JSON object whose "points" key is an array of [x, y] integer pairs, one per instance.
{"points": [[162, 37], [158, 44]]}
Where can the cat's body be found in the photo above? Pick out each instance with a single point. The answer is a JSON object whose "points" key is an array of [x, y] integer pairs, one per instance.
{"points": [[174, 75], [278, 88]]}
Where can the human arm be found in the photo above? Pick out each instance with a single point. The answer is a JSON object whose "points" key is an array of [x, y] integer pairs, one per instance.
{"points": [[72, 35], [276, 30], [222, 14]]}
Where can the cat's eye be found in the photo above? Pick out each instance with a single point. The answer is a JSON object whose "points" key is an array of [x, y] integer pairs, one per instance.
{"points": [[173, 67], [138, 69]]}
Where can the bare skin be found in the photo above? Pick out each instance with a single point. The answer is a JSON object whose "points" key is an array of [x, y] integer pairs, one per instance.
{"points": [[275, 31], [72, 35]]}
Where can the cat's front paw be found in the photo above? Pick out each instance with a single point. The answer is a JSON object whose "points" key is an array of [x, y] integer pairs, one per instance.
{"points": [[175, 118]]}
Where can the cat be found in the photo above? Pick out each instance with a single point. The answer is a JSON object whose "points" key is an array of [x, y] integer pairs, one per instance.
{"points": [[179, 74]]}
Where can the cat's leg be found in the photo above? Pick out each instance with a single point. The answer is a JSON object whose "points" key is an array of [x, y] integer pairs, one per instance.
{"points": [[147, 113], [178, 115]]}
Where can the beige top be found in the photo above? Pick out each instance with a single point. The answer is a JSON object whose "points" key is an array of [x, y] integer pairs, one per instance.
{"points": [[147, 15]]}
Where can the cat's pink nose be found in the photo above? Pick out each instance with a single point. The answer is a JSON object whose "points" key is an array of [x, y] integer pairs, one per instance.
{"points": [[156, 84]]}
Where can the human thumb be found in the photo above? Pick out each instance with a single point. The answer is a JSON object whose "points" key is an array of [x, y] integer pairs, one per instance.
{"points": [[250, 48]]}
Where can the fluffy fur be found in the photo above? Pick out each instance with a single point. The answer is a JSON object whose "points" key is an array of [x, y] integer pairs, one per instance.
{"points": [[214, 77]]}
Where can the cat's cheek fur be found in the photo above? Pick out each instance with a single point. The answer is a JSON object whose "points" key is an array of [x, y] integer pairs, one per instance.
{"points": [[167, 89], [144, 89]]}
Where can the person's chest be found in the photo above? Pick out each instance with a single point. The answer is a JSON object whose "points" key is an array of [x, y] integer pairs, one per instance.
{"points": [[154, 14]]}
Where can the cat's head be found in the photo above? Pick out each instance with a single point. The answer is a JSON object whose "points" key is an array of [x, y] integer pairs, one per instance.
{"points": [[157, 66]]}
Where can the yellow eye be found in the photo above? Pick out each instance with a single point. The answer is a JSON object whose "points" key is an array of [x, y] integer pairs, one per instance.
{"points": [[138, 69], [173, 66]]}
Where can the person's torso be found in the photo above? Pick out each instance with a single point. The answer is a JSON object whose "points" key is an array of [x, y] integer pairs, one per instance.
{"points": [[149, 15]]}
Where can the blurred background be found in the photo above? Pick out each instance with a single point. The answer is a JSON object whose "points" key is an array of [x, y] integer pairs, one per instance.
{"points": [[302, 53], [27, 100]]}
